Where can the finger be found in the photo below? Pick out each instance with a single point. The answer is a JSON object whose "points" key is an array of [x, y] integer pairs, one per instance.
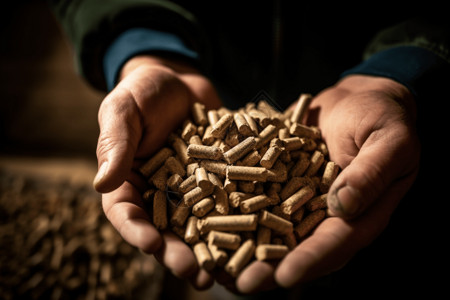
{"points": [[256, 277], [372, 171], [124, 210], [323, 252], [202, 280], [177, 256], [335, 241], [120, 132]]}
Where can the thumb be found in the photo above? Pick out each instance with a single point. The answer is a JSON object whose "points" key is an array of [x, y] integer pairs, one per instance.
{"points": [[120, 132], [365, 179]]}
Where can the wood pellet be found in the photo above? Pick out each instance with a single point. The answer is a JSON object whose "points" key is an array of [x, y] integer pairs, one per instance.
{"points": [[249, 184]]}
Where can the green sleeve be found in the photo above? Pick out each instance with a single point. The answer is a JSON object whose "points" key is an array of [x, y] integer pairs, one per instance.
{"points": [[91, 25]]}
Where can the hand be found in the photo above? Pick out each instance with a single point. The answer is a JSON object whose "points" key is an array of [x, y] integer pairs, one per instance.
{"points": [[368, 125], [153, 97]]}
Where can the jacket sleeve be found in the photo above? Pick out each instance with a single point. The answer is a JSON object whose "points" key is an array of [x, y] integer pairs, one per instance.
{"points": [[415, 53], [92, 26]]}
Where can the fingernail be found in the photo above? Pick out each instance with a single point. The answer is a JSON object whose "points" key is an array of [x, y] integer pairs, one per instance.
{"points": [[344, 201], [100, 173]]}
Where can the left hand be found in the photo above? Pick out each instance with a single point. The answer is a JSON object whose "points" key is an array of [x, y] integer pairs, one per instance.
{"points": [[368, 125]]}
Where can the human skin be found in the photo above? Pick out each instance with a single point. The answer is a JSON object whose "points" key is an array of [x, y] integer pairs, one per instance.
{"points": [[367, 123]]}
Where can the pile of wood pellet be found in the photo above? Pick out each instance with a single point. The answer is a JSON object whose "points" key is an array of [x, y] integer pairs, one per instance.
{"points": [[57, 244], [240, 185]]}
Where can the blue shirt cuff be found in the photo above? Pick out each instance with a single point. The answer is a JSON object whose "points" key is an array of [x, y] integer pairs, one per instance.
{"points": [[138, 41], [414, 67]]}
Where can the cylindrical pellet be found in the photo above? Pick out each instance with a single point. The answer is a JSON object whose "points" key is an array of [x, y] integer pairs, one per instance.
{"points": [[319, 202], [242, 125], [301, 108], [240, 258], [202, 179], [225, 240], [250, 160], [294, 202], [316, 161], [304, 131], [195, 195], [220, 128], [275, 222], [181, 149], [199, 114], [300, 166], [232, 136], [268, 133], [260, 117], [188, 130], [293, 143], [217, 167], [239, 150], [255, 203], [202, 207], [159, 179], [213, 116], [187, 184], [247, 173], [156, 161], [208, 138], [220, 256], [235, 198], [191, 234], [229, 185], [221, 201], [174, 181], [270, 252], [309, 223], [204, 152], [292, 186], [270, 156], [329, 175], [174, 166], [251, 123], [278, 173], [195, 139], [229, 223], [204, 257], [180, 214]]}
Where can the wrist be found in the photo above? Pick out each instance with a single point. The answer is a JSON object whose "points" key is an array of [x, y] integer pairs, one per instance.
{"points": [[359, 84], [169, 63]]}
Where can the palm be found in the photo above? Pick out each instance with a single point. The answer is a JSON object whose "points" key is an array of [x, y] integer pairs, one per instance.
{"points": [[367, 135], [135, 120]]}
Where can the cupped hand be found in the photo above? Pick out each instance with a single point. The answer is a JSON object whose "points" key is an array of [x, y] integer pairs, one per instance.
{"points": [[368, 125], [152, 98]]}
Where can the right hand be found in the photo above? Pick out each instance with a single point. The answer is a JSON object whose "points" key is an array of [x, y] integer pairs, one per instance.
{"points": [[153, 97]]}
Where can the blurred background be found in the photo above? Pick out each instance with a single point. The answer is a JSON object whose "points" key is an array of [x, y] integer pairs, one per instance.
{"points": [[55, 242]]}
